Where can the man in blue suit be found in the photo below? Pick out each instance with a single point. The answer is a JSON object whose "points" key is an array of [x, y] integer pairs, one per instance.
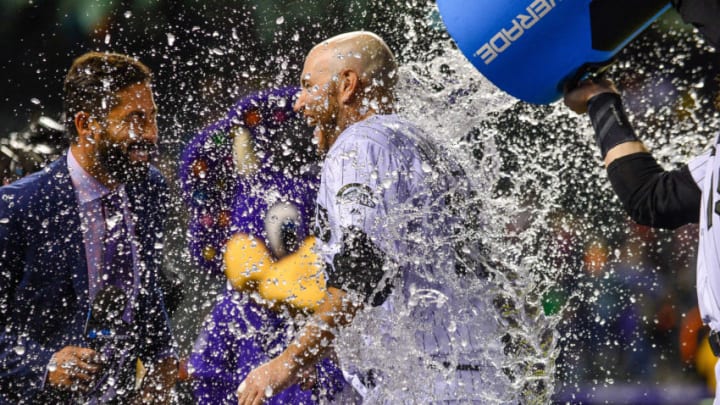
{"points": [[88, 224]]}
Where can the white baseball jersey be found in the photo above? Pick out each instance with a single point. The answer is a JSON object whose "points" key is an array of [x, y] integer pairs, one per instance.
{"points": [[430, 338], [705, 170]]}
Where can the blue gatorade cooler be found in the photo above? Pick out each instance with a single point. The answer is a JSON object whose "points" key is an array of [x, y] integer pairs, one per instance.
{"points": [[531, 48]]}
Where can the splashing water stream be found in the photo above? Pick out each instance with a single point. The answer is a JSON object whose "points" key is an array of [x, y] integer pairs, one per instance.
{"points": [[537, 176], [453, 103]]}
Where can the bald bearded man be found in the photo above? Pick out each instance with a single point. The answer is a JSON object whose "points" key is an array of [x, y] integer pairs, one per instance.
{"points": [[387, 242]]}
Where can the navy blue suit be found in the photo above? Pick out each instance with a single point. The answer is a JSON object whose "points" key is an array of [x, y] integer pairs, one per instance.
{"points": [[44, 278]]}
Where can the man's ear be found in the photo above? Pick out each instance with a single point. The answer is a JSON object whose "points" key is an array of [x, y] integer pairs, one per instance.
{"points": [[85, 126], [82, 123], [349, 86]]}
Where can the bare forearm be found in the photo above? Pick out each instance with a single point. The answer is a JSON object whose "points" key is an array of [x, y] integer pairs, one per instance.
{"points": [[308, 348], [311, 344]]}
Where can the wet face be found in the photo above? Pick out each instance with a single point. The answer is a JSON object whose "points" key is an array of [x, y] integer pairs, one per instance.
{"points": [[129, 136], [318, 98]]}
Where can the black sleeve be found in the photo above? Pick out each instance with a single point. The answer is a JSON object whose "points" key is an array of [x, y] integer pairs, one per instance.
{"points": [[359, 267], [653, 196]]}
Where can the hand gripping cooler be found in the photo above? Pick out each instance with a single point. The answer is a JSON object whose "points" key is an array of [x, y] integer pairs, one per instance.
{"points": [[531, 48]]}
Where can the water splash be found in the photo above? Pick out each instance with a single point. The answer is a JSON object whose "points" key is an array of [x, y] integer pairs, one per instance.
{"points": [[540, 182], [445, 96]]}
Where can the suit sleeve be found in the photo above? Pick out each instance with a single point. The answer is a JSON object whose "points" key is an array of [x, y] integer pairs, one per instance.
{"points": [[23, 361]]}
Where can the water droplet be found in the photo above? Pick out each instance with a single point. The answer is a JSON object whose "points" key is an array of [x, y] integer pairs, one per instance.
{"points": [[280, 20], [170, 38], [268, 392], [19, 350], [4, 220], [128, 14], [426, 168], [112, 221], [107, 38], [35, 101]]}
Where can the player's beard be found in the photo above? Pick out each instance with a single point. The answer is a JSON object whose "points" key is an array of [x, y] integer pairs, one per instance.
{"points": [[116, 162], [320, 138], [326, 118], [325, 134]]}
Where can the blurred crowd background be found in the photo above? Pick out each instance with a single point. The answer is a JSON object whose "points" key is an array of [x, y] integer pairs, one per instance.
{"points": [[629, 328]]}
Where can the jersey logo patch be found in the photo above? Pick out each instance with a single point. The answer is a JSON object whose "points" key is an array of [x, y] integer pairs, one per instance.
{"points": [[356, 193]]}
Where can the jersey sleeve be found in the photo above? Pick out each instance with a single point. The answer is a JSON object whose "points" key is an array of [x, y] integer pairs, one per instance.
{"points": [[362, 179], [353, 183]]}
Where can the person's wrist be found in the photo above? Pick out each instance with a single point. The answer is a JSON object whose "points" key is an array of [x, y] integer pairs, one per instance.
{"points": [[600, 98], [610, 122], [289, 362]]}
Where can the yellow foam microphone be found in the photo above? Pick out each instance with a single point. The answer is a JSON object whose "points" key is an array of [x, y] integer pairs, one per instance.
{"points": [[297, 279]]}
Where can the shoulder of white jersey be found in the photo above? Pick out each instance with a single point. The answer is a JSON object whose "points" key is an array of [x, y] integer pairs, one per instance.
{"points": [[389, 132], [366, 132]]}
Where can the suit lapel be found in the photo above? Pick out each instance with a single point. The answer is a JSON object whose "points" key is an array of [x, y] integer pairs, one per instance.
{"points": [[63, 195]]}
